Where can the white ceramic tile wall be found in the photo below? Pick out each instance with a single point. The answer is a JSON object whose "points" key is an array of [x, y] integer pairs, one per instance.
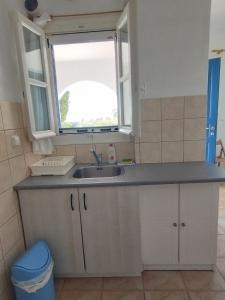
{"points": [[14, 162], [173, 129]]}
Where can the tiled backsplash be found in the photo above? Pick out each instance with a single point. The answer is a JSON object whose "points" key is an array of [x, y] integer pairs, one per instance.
{"points": [[14, 163], [172, 130], [82, 152]]}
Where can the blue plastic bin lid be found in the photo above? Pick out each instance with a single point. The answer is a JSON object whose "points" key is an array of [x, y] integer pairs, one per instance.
{"points": [[33, 263]]}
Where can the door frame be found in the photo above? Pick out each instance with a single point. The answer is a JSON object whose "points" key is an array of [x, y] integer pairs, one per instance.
{"points": [[212, 108]]}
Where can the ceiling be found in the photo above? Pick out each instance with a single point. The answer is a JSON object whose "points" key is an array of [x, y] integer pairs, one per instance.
{"points": [[59, 7]]}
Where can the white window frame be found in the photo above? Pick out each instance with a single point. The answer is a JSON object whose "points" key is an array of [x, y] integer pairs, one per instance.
{"points": [[125, 18], [72, 38], [21, 22]]}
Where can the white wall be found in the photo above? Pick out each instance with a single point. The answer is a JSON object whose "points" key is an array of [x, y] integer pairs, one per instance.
{"points": [[70, 72], [173, 37], [58, 7], [217, 41], [8, 63]]}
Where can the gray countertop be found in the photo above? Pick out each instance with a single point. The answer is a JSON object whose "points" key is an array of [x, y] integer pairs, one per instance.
{"points": [[139, 174]]}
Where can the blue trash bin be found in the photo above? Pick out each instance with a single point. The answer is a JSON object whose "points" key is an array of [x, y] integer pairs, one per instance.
{"points": [[32, 275]]}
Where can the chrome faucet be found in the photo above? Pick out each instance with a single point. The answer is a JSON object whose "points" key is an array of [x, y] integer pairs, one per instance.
{"points": [[98, 157]]}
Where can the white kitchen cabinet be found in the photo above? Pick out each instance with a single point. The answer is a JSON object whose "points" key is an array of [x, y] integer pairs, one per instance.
{"points": [[53, 215], [198, 223], [159, 223], [179, 225], [111, 230]]}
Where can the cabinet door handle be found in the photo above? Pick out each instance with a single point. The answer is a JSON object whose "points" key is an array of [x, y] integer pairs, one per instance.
{"points": [[183, 224], [174, 224], [84, 198], [71, 202]]}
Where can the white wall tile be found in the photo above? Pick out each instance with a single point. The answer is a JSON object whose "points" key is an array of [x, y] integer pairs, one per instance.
{"points": [[172, 151], [172, 108], [194, 150], [11, 149], [151, 131], [3, 147], [5, 176], [150, 152], [151, 109], [172, 130], [10, 234], [8, 205], [11, 115], [194, 129], [18, 168], [195, 107]]}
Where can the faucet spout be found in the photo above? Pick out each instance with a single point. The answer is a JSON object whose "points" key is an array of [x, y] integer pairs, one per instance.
{"points": [[96, 156]]}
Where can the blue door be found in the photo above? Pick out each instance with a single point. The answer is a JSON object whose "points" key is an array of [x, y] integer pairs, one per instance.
{"points": [[212, 113]]}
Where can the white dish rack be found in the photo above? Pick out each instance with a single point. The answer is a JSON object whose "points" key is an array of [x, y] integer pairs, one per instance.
{"points": [[57, 165]]}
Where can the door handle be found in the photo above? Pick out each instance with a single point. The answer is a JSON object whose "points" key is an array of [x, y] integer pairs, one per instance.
{"points": [[71, 202], [174, 224], [84, 200], [183, 224]]}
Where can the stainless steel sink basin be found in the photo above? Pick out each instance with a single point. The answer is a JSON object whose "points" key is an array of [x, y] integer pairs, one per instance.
{"points": [[96, 172]]}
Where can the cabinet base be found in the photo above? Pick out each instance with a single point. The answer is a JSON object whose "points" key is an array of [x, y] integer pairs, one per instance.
{"points": [[178, 267]]}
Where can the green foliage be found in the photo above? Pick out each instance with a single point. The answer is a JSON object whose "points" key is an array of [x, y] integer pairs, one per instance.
{"points": [[64, 105]]}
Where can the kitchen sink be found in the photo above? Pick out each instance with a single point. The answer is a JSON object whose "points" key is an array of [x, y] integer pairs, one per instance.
{"points": [[96, 172]]}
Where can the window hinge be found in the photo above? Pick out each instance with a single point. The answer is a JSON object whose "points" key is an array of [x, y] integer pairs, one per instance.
{"points": [[116, 36], [48, 43]]}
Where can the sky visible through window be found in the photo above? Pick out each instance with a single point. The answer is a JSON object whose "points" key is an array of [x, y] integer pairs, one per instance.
{"points": [[86, 82]]}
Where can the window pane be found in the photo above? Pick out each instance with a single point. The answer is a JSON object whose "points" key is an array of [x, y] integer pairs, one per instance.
{"points": [[86, 82], [33, 55], [124, 49], [40, 107], [127, 103]]}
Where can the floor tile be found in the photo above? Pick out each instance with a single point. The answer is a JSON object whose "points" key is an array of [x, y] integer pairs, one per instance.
{"points": [[166, 295], [72, 284], [59, 282], [203, 280], [123, 283], [80, 295], [221, 246], [163, 280], [221, 226], [207, 295], [128, 295], [221, 266]]}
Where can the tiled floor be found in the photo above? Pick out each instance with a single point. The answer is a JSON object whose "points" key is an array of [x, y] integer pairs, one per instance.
{"points": [[155, 285]]}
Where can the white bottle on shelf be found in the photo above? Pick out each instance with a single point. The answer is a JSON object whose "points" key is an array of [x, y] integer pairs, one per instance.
{"points": [[111, 154]]}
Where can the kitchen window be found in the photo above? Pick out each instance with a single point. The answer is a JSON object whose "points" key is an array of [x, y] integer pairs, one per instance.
{"points": [[90, 87], [85, 77]]}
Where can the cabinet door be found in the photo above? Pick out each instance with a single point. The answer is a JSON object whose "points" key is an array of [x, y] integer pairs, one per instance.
{"points": [[198, 218], [48, 215], [159, 224], [111, 230]]}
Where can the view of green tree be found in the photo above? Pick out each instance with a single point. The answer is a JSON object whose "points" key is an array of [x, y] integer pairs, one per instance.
{"points": [[64, 105]]}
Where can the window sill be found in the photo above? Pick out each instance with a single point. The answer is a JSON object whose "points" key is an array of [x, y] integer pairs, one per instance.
{"points": [[89, 138]]}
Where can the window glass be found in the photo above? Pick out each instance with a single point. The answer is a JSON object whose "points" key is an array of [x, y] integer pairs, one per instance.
{"points": [[124, 49], [127, 104], [33, 55], [40, 108], [86, 84]]}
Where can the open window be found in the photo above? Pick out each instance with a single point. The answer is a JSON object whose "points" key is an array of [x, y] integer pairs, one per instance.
{"points": [[85, 81], [92, 79], [37, 87], [124, 73]]}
